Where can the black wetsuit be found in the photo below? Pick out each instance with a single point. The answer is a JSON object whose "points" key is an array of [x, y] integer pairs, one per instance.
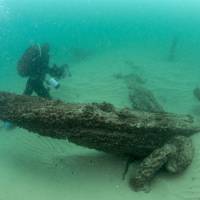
{"points": [[39, 67]]}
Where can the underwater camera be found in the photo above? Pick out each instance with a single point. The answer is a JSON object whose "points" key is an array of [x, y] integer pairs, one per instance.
{"points": [[53, 83]]}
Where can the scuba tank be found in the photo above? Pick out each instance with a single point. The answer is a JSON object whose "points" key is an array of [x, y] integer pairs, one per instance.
{"points": [[32, 59], [28, 60]]}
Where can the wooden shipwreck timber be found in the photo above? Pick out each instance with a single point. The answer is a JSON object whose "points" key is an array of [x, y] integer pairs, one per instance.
{"points": [[161, 140]]}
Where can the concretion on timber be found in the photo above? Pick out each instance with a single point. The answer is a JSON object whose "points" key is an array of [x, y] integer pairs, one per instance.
{"points": [[98, 126], [101, 126], [141, 98]]}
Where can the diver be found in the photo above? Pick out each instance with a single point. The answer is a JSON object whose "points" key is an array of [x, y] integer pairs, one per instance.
{"points": [[34, 64]]}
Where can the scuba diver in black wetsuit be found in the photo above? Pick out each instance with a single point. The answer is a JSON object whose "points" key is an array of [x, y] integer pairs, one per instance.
{"points": [[34, 64]]}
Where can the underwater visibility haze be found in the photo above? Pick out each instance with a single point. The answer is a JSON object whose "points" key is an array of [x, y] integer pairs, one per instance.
{"points": [[141, 55]]}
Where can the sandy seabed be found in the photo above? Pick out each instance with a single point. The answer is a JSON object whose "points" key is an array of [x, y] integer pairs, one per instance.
{"points": [[34, 167]]}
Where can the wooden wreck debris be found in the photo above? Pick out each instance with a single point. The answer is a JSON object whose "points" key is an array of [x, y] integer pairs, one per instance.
{"points": [[141, 98], [158, 138], [196, 93]]}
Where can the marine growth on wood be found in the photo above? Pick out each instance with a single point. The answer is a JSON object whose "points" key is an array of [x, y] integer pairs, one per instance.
{"points": [[161, 139]]}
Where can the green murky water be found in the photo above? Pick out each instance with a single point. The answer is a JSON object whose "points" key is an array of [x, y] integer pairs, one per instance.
{"points": [[158, 40]]}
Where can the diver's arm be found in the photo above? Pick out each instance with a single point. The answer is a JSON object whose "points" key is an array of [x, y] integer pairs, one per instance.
{"points": [[56, 72]]}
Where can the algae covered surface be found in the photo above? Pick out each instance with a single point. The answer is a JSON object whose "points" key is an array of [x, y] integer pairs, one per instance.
{"points": [[101, 41]]}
